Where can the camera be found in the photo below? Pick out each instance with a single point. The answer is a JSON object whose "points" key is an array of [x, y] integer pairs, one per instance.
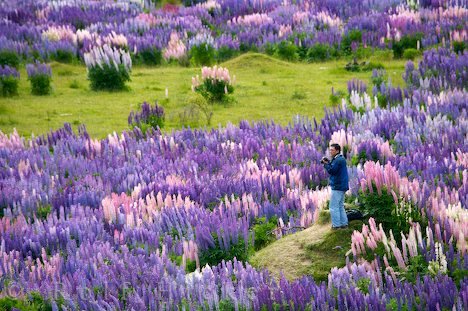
{"points": [[324, 160]]}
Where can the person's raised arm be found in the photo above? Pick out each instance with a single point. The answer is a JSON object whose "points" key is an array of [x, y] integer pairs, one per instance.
{"points": [[334, 167]]}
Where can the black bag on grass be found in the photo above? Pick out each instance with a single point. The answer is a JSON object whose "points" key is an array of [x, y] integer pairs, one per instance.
{"points": [[354, 214]]}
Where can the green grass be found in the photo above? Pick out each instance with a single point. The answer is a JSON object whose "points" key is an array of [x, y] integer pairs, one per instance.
{"points": [[330, 252], [313, 251], [266, 88]]}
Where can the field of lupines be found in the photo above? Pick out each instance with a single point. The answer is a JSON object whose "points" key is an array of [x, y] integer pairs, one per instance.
{"points": [[121, 223], [147, 220], [303, 29]]}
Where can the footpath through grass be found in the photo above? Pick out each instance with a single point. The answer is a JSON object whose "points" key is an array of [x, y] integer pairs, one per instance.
{"points": [[266, 88]]}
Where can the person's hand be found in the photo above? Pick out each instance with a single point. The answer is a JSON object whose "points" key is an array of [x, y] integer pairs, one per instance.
{"points": [[324, 160]]}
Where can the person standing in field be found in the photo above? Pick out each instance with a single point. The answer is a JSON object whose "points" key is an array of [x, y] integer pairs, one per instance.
{"points": [[339, 183]]}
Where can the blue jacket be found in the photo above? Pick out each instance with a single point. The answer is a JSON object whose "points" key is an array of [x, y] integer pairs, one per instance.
{"points": [[338, 173]]}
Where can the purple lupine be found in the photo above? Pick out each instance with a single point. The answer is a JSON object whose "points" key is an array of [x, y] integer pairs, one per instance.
{"points": [[38, 69], [7, 71]]}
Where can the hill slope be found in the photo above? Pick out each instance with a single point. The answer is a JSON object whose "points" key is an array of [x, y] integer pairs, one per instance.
{"points": [[313, 251]]}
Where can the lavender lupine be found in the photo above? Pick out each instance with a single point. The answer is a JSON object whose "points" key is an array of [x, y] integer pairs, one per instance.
{"points": [[9, 79], [149, 115], [125, 209], [40, 76]]}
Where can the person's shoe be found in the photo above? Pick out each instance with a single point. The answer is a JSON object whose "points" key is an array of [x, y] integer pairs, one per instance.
{"points": [[335, 228], [343, 227]]}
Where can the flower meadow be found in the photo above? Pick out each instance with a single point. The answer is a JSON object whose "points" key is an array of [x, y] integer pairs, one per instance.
{"points": [[147, 220], [152, 220], [210, 31]]}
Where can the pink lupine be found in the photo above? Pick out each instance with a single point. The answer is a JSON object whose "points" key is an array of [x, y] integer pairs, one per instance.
{"points": [[117, 40], [284, 31], [398, 256], [58, 33], [255, 19], [175, 49]]}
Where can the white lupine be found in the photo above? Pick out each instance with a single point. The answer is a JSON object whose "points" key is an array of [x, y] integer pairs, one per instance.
{"points": [[109, 56], [439, 265], [359, 101]]}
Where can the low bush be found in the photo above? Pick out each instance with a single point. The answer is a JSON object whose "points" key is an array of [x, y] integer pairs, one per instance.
{"points": [[108, 68], [9, 80], [40, 76]]}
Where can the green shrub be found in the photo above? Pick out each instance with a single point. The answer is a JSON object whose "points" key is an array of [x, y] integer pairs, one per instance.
{"points": [[9, 80], [31, 302], [200, 103], [149, 117], [411, 54], [63, 56], [108, 68], [40, 76], [459, 46], [384, 210], [270, 49], [263, 231], [108, 78], [406, 42], [318, 52], [354, 35], [150, 57], [363, 53], [335, 97], [287, 50], [203, 54], [9, 58], [224, 53], [43, 211], [215, 84], [216, 254]]}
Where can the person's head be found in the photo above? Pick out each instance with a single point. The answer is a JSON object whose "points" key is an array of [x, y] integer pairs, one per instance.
{"points": [[334, 149]]}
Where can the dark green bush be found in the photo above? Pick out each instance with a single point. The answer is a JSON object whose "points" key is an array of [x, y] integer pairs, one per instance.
{"points": [[9, 86], [40, 84], [287, 50], [214, 90], [150, 57], [406, 42], [216, 254], [31, 302], [270, 49], [384, 210], [203, 54], [354, 35], [318, 52], [459, 46], [224, 53], [108, 78], [263, 231], [335, 97], [9, 58], [411, 54], [63, 56]]}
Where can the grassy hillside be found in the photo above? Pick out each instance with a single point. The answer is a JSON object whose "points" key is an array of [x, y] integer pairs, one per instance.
{"points": [[266, 88], [313, 251]]}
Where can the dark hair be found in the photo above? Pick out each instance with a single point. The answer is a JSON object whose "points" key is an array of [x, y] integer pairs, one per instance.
{"points": [[336, 146]]}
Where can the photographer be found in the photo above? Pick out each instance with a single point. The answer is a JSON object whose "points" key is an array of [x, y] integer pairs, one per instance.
{"points": [[339, 184]]}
